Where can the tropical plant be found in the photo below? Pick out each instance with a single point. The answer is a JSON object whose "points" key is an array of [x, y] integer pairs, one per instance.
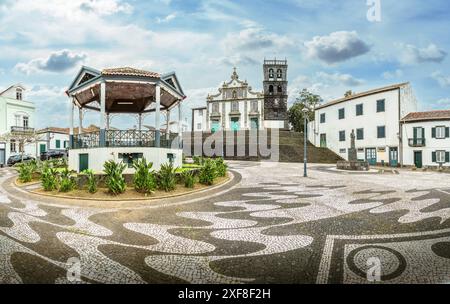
{"points": [[198, 160], [49, 179], [144, 179], [188, 178], [25, 172], [167, 178], [66, 181], [221, 167], [208, 172], [91, 181], [296, 114], [114, 177]]}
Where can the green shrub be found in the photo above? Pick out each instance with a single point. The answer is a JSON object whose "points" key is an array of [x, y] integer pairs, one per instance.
{"points": [[49, 179], [66, 181], [25, 172], [114, 178], [188, 178], [221, 167], [167, 178], [91, 181], [144, 179], [198, 160], [208, 172]]}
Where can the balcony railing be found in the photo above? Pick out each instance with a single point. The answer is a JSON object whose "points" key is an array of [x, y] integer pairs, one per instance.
{"points": [[417, 142], [16, 129], [119, 138]]}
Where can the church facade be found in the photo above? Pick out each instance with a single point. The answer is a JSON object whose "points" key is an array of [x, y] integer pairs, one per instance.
{"points": [[237, 107]]}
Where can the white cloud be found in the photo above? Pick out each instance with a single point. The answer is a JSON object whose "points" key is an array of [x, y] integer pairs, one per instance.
{"points": [[444, 81], [58, 61], [443, 102], [167, 18], [336, 47], [414, 55], [337, 78]]}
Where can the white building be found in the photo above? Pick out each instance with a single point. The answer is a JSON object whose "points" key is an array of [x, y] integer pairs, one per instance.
{"points": [[375, 116], [426, 139], [234, 107], [199, 121], [52, 138], [17, 115]]}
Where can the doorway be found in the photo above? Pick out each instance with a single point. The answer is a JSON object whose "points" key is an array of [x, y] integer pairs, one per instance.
{"points": [[393, 157], [323, 140], [84, 162], [418, 159], [371, 156], [235, 126], [254, 125], [2, 157]]}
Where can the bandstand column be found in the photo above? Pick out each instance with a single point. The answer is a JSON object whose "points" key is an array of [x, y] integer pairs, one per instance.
{"points": [[157, 116], [140, 122], [72, 108], [102, 136], [107, 121], [180, 131], [80, 119], [167, 124]]}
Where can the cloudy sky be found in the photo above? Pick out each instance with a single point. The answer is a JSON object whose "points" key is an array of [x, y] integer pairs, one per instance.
{"points": [[331, 45]]}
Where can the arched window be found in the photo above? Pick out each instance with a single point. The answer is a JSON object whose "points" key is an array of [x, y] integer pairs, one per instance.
{"points": [[279, 73], [271, 89], [271, 74], [234, 94], [19, 94], [279, 89]]}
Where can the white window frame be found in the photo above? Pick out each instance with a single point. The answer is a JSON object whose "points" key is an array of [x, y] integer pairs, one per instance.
{"points": [[235, 106], [19, 95], [17, 120], [27, 120], [440, 132], [440, 156], [200, 113]]}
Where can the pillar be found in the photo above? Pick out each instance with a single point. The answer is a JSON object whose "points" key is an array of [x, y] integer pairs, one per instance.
{"points": [[180, 131], [102, 114], [157, 116], [167, 125], [140, 122], [80, 119], [72, 108], [107, 121]]}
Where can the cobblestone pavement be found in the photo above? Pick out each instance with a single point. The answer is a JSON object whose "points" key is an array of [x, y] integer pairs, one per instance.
{"points": [[274, 226]]}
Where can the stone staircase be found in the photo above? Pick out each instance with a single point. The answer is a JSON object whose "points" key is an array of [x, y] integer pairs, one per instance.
{"points": [[288, 147]]}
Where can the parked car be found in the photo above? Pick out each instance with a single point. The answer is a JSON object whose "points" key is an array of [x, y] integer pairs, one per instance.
{"points": [[15, 159], [53, 154]]}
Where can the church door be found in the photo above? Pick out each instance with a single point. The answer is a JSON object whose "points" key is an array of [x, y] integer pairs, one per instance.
{"points": [[235, 124], [254, 125], [215, 126]]}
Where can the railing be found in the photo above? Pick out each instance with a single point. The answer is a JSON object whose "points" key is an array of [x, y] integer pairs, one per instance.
{"points": [[120, 138], [21, 129], [417, 142]]}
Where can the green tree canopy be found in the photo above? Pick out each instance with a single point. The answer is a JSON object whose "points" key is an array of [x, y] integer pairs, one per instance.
{"points": [[295, 113]]}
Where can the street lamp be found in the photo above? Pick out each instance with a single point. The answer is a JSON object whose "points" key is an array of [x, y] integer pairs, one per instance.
{"points": [[305, 111]]}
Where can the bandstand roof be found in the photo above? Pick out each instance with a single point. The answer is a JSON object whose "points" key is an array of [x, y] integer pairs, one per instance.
{"points": [[128, 90]]}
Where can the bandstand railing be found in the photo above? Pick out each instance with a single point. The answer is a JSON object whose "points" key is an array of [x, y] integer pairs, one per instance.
{"points": [[122, 138]]}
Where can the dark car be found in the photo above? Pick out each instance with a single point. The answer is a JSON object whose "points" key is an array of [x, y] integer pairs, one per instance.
{"points": [[15, 159], [53, 154]]}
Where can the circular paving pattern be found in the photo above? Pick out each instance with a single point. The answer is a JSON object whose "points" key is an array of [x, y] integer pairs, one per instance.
{"points": [[272, 226]]}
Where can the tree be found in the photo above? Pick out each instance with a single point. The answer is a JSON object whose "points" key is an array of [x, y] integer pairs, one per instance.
{"points": [[295, 113], [22, 138]]}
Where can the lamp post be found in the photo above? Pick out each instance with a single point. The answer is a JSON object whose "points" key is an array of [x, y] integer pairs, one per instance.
{"points": [[305, 111]]}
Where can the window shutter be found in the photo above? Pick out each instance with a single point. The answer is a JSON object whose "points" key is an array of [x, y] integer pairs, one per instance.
{"points": [[415, 133], [433, 157], [447, 157], [433, 132], [423, 133], [447, 132]]}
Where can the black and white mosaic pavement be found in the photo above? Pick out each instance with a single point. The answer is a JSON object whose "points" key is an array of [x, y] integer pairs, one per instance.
{"points": [[274, 226]]}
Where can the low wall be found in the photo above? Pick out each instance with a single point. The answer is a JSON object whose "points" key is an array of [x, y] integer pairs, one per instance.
{"points": [[98, 156], [353, 165]]}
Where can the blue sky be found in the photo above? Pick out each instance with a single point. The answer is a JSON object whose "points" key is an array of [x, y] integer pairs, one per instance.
{"points": [[331, 46]]}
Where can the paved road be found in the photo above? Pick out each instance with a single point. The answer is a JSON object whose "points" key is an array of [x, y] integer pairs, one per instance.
{"points": [[273, 226]]}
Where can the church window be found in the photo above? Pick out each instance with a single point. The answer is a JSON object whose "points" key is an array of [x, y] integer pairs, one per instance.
{"points": [[254, 106], [215, 108], [271, 89], [279, 73], [279, 89], [235, 106], [271, 73]]}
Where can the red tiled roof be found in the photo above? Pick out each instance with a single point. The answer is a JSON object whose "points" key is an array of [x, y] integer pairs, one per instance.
{"points": [[430, 115], [362, 94], [127, 71]]}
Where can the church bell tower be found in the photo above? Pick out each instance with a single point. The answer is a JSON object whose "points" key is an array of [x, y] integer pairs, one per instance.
{"points": [[275, 93]]}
